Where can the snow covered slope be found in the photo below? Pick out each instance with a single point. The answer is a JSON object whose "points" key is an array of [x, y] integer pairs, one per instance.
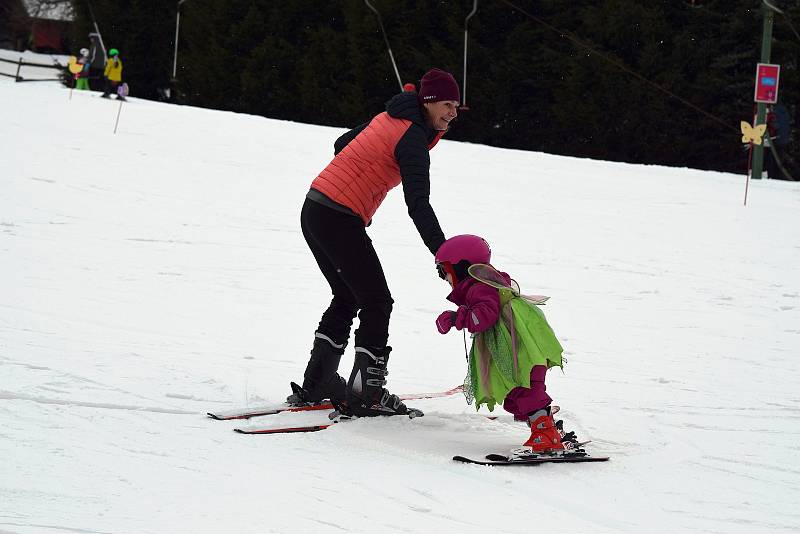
{"points": [[150, 276]]}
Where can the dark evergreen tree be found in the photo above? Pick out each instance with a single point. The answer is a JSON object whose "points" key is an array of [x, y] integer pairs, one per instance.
{"points": [[530, 84]]}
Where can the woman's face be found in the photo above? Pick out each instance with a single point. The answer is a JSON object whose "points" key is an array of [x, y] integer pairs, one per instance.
{"points": [[441, 113]]}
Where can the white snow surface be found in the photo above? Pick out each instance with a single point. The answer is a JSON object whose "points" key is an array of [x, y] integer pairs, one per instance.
{"points": [[150, 276]]}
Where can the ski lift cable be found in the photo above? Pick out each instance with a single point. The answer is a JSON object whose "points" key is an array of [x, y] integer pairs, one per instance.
{"points": [[97, 29], [785, 16], [621, 66], [772, 7], [386, 40], [466, 23]]}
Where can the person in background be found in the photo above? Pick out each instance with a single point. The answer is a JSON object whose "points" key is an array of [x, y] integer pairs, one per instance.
{"points": [[778, 130], [782, 124], [97, 62], [82, 78], [113, 74]]}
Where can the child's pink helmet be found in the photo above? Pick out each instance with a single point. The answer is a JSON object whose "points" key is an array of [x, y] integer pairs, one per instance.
{"points": [[470, 248]]}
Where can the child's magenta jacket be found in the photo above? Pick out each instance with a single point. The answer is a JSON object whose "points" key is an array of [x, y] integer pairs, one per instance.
{"points": [[478, 304]]}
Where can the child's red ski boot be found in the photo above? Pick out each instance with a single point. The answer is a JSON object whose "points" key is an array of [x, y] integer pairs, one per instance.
{"points": [[545, 438]]}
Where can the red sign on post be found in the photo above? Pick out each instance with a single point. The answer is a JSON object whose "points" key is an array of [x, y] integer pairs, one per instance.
{"points": [[767, 83]]}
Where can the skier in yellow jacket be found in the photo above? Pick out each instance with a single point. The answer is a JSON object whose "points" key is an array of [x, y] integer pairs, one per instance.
{"points": [[113, 74]]}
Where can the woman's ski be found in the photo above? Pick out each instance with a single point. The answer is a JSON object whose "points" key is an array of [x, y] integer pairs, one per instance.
{"points": [[258, 411], [333, 418]]}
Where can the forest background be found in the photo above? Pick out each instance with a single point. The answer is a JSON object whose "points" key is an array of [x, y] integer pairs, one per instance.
{"points": [[529, 85]]}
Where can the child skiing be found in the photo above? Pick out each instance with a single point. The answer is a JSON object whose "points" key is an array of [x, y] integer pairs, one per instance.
{"points": [[513, 346], [82, 77], [113, 74]]}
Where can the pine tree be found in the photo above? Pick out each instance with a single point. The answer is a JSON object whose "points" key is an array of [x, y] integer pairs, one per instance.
{"points": [[529, 86]]}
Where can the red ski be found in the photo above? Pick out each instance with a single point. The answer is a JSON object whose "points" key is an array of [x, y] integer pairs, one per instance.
{"points": [[257, 411], [313, 426], [283, 430]]}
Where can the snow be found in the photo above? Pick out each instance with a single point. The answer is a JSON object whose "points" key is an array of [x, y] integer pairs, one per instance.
{"points": [[150, 276]]}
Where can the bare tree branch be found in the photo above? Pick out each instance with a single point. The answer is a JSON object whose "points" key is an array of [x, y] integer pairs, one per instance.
{"points": [[49, 9]]}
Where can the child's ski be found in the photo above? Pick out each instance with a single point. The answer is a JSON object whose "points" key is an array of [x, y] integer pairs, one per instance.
{"points": [[499, 459], [247, 413]]}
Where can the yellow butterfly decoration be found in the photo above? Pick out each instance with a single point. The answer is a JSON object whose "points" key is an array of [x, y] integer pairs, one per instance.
{"points": [[753, 134], [75, 67]]}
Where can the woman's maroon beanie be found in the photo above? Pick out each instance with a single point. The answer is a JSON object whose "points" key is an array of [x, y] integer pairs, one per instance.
{"points": [[438, 85]]}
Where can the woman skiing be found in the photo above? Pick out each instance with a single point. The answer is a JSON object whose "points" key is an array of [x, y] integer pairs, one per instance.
{"points": [[369, 161]]}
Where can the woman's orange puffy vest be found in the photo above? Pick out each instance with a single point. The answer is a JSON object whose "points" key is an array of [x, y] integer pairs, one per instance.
{"points": [[361, 175]]}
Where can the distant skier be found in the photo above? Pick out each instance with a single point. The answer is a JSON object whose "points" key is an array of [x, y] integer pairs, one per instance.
{"points": [[779, 128], [369, 161], [113, 74], [82, 78], [513, 345], [97, 62]]}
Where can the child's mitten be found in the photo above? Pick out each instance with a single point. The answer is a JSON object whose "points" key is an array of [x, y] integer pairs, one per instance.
{"points": [[445, 321]]}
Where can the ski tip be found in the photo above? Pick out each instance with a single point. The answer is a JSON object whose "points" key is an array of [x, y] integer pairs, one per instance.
{"points": [[465, 460]]}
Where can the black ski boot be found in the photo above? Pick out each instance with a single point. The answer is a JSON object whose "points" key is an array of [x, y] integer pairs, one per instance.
{"points": [[366, 396], [320, 381]]}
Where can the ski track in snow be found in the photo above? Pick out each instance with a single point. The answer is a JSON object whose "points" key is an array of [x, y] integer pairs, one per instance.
{"points": [[150, 276]]}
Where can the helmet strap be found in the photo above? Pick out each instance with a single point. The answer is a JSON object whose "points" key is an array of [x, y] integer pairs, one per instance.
{"points": [[452, 272], [445, 268]]}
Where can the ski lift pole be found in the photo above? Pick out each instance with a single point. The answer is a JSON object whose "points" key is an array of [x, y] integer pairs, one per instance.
{"points": [[386, 40], [100, 38], [464, 85], [97, 29], [177, 27], [766, 51]]}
